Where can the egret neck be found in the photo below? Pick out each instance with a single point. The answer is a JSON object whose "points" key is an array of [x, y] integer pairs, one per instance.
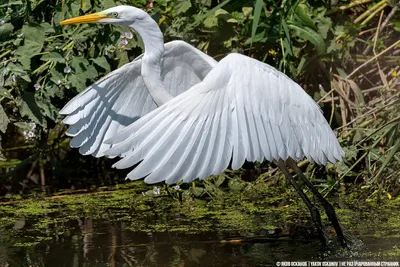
{"points": [[151, 62]]}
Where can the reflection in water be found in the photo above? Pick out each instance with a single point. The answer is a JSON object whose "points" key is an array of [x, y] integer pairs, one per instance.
{"points": [[127, 228], [87, 236], [96, 243]]}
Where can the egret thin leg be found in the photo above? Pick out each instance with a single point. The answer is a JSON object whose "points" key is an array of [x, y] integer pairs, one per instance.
{"points": [[329, 210], [315, 216]]}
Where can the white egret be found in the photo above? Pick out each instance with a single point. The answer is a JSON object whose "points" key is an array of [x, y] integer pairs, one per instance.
{"points": [[176, 114]]}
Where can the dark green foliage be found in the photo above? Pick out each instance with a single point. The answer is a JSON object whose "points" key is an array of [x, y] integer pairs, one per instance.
{"points": [[43, 65]]}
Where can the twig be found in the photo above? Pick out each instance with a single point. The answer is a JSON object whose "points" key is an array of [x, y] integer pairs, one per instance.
{"points": [[381, 74], [332, 109], [28, 175], [5, 53], [366, 91], [384, 24], [357, 91], [376, 109], [373, 58], [374, 13], [325, 95], [354, 3], [377, 33], [371, 10], [366, 31], [343, 112], [340, 90]]}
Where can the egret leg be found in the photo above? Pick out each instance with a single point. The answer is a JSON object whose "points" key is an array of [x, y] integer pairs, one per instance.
{"points": [[315, 216], [329, 210]]}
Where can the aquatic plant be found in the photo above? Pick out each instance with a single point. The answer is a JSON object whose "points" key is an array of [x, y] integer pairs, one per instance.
{"points": [[348, 65]]}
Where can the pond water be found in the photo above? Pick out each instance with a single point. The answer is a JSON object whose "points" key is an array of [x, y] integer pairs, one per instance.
{"points": [[132, 227]]}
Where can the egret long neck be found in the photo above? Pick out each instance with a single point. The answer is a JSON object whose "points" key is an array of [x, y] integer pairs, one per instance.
{"points": [[151, 62]]}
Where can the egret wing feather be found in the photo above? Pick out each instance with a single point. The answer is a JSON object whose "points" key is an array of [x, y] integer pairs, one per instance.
{"points": [[121, 97], [242, 110]]}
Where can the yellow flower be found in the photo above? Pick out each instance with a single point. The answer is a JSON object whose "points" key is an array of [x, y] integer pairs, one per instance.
{"points": [[272, 52], [394, 73]]}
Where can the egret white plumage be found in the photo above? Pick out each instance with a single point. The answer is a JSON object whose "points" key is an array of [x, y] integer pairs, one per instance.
{"points": [[179, 115]]}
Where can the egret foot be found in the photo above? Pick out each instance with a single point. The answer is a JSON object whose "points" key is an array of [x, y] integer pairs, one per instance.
{"points": [[329, 210], [315, 216]]}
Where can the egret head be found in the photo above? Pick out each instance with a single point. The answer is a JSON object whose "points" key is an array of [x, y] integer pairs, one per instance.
{"points": [[121, 15]]}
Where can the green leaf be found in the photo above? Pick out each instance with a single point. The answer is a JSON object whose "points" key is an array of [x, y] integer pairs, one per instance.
{"points": [[393, 150], [256, 17], [78, 82], [123, 58], [201, 18], [311, 36], [33, 43], [247, 11], [54, 90], [6, 31], [236, 185], [90, 73], [108, 3], [28, 107], [350, 152], [23, 125], [53, 56], [324, 25], [26, 62], [222, 14], [303, 16], [301, 64], [4, 92], [197, 191], [83, 72], [228, 43], [102, 63], [221, 178], [334, 46], [237, 17], [79, 64], [3, 120], [287, 42], [260, 37], [18, 70], [15, 68], [210, 22], [29, 49], [55, 75], [48, 109], [182, 6], [47, 27], [342, 168]]}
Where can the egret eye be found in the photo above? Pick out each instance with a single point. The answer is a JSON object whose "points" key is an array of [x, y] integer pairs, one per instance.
{"points": [[114, 14]]}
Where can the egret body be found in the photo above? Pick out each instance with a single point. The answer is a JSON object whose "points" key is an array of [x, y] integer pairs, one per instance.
{"points": [[177, 114]]}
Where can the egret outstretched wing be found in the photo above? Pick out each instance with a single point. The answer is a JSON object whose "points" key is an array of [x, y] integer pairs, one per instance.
{"points": [[242, 110], [121, 97]]}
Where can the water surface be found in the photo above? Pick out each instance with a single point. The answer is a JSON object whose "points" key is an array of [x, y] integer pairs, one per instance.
{"points": [[133, 227]]}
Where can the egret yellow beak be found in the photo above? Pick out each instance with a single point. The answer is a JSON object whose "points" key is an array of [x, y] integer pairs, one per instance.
{"points": [[91, 18]]}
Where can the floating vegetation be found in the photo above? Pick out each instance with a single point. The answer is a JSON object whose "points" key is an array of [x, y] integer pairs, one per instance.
{"points": [[263, 210]]}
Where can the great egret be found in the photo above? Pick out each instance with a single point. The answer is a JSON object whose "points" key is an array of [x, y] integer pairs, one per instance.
{"points": [[178, 114]]}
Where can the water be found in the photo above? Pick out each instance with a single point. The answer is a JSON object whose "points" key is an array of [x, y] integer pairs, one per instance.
{"points": [[99, 243], [127, 228]]}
